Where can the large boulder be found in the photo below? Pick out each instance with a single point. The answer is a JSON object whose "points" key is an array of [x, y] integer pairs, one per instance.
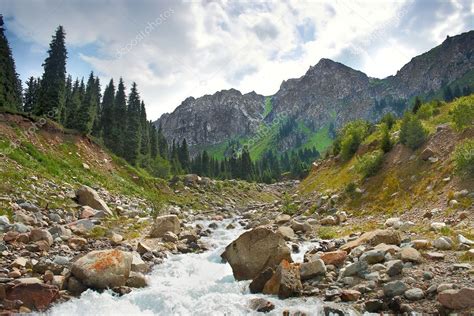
{"points": [[457, 299], [254, 251], [35, 296], [373, 238], [312, 269], [164, 224], [285, 282], [88, 196], [103, 269], [336, 258]]}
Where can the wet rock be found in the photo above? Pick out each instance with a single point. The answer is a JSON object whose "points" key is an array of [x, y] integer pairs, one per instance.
{"points": [[88, 196], [138, 265], [136, 280], [261, 305], [35, 296], [409, 254], [257, 284], [254, 251], [414, 294], [309, 270], [394, 288], [379, 236], [336, 258], [166, 223], [103, 269], [457, 299], [285, 282], [74, 286]]}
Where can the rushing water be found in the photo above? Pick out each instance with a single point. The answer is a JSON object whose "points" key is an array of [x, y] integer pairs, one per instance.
{"points": [[186, 284]]}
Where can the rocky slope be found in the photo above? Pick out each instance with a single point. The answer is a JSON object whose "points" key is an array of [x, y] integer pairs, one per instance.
{"points": [[329, 93]]}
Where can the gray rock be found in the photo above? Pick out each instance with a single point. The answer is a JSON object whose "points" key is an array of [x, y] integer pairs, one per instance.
{"points": [[166, 223], [394, 288], [88, 196], [373, 256], [443, 243], [414, 294], [309, 270]]}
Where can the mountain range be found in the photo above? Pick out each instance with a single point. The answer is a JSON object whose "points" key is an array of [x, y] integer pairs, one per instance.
{"points": [[326, 97]]}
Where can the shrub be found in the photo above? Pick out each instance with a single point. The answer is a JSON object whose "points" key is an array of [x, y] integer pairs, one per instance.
{"points": [[370, 163], [350, 137], [463, 113], [386, 142], [425, 111], [412, 132], [389, 120], [288, 206], [464, 158]]}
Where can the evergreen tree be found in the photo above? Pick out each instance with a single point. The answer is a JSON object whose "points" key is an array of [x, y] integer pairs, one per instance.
{"points": [[386, 143], [245, 165], [448, 94], [184, 155], [10, 85], [30, 96], [107, 115], [153, 141], [119, 120], [73, 104], [144, 132], [412, 132], [162, 143], [86, 113], [417, 105], [68, 97], [53, 83], [96, 123], [132, 137]]}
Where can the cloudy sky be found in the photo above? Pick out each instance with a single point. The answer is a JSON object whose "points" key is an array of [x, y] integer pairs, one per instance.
{"points": [[175, 49]]}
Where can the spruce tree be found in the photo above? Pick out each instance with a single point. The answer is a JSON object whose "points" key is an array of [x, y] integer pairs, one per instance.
{"points": [[68, 97], [73, 104], [132, 130], [144, 132], [184, 155], [96, 123], [153, 141], [10, 85], [119, 120], [88, 109], [107, 115], [30, 96], [417, 105], [53, 83]]}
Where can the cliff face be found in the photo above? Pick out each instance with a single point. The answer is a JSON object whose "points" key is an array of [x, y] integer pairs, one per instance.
{"points": [[329, 92], [212, 119]]}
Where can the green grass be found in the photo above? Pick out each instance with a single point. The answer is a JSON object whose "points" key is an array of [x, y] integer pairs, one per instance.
{"points": [[268, 106]]}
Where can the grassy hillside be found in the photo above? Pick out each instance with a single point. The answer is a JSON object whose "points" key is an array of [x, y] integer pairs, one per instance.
{"points": [[39, 151], [404, 181]]}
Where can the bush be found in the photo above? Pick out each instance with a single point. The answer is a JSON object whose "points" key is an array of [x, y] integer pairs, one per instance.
{"points": [[370, 163], [389, 120], [463, 113], [412, 132], [386, 142], [350, 137], [425, 111], [464, 158]]}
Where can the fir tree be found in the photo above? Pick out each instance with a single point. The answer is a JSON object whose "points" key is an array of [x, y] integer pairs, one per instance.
{"points": [[73, 104], [53, 83], [10, 85], [184, 155], [107, 115], [132, 135], [30, 96], [87, 111], [119, 120], [417, 105]]}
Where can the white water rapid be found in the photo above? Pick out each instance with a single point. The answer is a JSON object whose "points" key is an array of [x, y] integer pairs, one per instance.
{"points": [[187, 284]]}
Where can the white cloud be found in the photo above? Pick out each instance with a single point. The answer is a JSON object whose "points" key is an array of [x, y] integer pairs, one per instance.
{"points": [[201, 47]]}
